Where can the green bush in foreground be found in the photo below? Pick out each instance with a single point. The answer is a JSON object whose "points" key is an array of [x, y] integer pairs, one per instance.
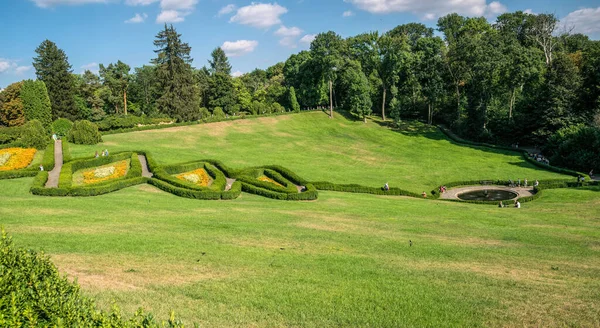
{"points": [[84, 133], [34, 135], [33, 294]]}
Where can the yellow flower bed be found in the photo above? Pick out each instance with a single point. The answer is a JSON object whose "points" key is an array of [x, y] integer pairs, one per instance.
{"points": [[106, 172], [15, 158], [198, 177], [265, 178]]}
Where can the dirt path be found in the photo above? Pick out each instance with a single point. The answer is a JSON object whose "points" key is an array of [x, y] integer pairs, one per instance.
{"points": [[229, 184], [454, 192], [145, 170], [58, 163]]}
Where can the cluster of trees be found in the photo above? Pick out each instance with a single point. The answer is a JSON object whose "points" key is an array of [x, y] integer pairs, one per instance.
{"points": [[514, 80]]}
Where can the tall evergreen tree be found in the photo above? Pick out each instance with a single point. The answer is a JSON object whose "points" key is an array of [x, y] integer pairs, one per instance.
{"points": [[292, 101], [219, 62], [180, 97], [52, 67]]}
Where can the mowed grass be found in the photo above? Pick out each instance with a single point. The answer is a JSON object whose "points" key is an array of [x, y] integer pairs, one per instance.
{"points": [[343, 260], [417, 157]]}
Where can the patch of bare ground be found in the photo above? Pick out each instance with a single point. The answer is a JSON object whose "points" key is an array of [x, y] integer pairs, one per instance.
{"points": [[149, 188], [109, 272]]}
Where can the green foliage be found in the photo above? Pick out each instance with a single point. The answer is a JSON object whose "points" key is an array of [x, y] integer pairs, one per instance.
{"points": [[35, 135], [12, 111], [575, 147], [115, 122], [52, 68], [218, 113], [62, 127], [36, 102], [292, 101], [219, 63], [84, 133]]}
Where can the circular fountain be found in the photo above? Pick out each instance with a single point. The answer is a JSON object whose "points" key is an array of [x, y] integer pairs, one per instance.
{"points": [[488, 195]]}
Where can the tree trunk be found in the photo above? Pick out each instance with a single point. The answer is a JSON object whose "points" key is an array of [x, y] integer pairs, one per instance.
{"points": [[330, 99], [116, 108], [383, 104], [429, 114], [457, 102], [512, 103], [125, 100]]}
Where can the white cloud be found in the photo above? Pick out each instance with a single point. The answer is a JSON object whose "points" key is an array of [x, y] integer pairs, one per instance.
{"points": [[289, 35], [170, 16], [430, 9], [347, 13], [50, 3], [237, 74], [92, 67], [5, 65], [308, 38], [239, 48], [584, 21], [174, 11], [22, 69], [227, 10], [261, 15], [139, 2], [137, 19], [528, 11]]}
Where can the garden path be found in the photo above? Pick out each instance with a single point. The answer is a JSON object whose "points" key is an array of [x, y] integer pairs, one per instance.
{"points": [[145, 170], [229, 184], [58, 163], [300, 188]]}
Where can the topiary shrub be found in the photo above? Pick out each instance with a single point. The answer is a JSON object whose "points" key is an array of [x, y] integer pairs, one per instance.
{"points": [[61, 127], [84, 133], [36, 102], [218, 113], [34, 135]]}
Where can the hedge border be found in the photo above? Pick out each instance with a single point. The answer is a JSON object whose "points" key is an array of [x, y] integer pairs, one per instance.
{"points": [[47, 163]]}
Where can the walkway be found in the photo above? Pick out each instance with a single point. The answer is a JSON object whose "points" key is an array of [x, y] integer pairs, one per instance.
{"points": [[229, 184], [454, 192], [145, 170], [58, 163]]}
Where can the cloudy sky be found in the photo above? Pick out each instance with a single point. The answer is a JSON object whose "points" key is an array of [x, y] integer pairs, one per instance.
{"points": [[253, 34]]}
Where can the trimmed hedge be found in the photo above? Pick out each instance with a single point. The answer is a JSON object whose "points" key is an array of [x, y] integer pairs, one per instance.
{"points": [[66, 151], [188, 193], [355, 188], [47, 162]]}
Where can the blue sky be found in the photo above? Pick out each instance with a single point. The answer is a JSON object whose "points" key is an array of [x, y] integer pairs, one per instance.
{"points": [[255, 34]]}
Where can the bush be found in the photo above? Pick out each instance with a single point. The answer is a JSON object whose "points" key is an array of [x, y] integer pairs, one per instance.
{"points": [[277, 108], [204, 113], [218, 113], [61, 127], [36, 102], [576, 147], [34, 135], [84, 133]]}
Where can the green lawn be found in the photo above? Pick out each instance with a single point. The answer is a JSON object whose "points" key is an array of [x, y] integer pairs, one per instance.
{"points": [[417, 158], [342, 260]]}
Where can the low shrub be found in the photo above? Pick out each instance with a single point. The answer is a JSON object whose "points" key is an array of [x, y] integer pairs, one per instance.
{"points": [[34, 135], [84, 133], [185, 192], [66, 151], [61, 127], [355, 188]]}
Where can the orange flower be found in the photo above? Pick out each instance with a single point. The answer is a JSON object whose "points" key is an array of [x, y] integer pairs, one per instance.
{"points": [[267, 179], [16, 158], [197, 177], [106, 172]]}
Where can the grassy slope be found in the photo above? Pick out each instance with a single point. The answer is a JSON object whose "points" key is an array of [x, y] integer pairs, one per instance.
{"points": [[338, 150], [339, 261]]}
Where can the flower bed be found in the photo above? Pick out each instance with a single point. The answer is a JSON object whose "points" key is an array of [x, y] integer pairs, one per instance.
{"points": [[265, 178], [104, 173], [15, 158], [198, 177]]}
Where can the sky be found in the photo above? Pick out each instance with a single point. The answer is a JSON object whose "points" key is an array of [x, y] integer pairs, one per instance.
{"points": [[253, 34]]}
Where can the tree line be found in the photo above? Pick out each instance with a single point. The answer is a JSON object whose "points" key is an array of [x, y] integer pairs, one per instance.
{"points": [[516, 80]]}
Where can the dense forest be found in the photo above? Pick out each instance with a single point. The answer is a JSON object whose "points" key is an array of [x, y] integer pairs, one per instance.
{"points": [[519, 80]]}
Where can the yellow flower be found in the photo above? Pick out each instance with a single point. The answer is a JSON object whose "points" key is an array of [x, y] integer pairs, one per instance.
{"points": [[107, 172], [16, 158], [197, 177], [267, 179]]}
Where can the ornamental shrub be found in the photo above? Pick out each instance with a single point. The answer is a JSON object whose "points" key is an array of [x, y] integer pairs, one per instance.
{"points": [[218, 113], [62, 126], [293, 101], [84, 133], [277, 108], [36, 102], [34, 135], [204, 113]]}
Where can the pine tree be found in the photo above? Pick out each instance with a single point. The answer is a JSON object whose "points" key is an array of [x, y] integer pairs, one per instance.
{"points": [[36, 102], [180, 97], [293, 102], [52, 67], [219, 62]]}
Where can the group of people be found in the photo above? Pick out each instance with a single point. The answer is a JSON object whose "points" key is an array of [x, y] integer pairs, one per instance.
{"points": [[104, 153], [540, 158], [518, 183], [517, 204]]}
